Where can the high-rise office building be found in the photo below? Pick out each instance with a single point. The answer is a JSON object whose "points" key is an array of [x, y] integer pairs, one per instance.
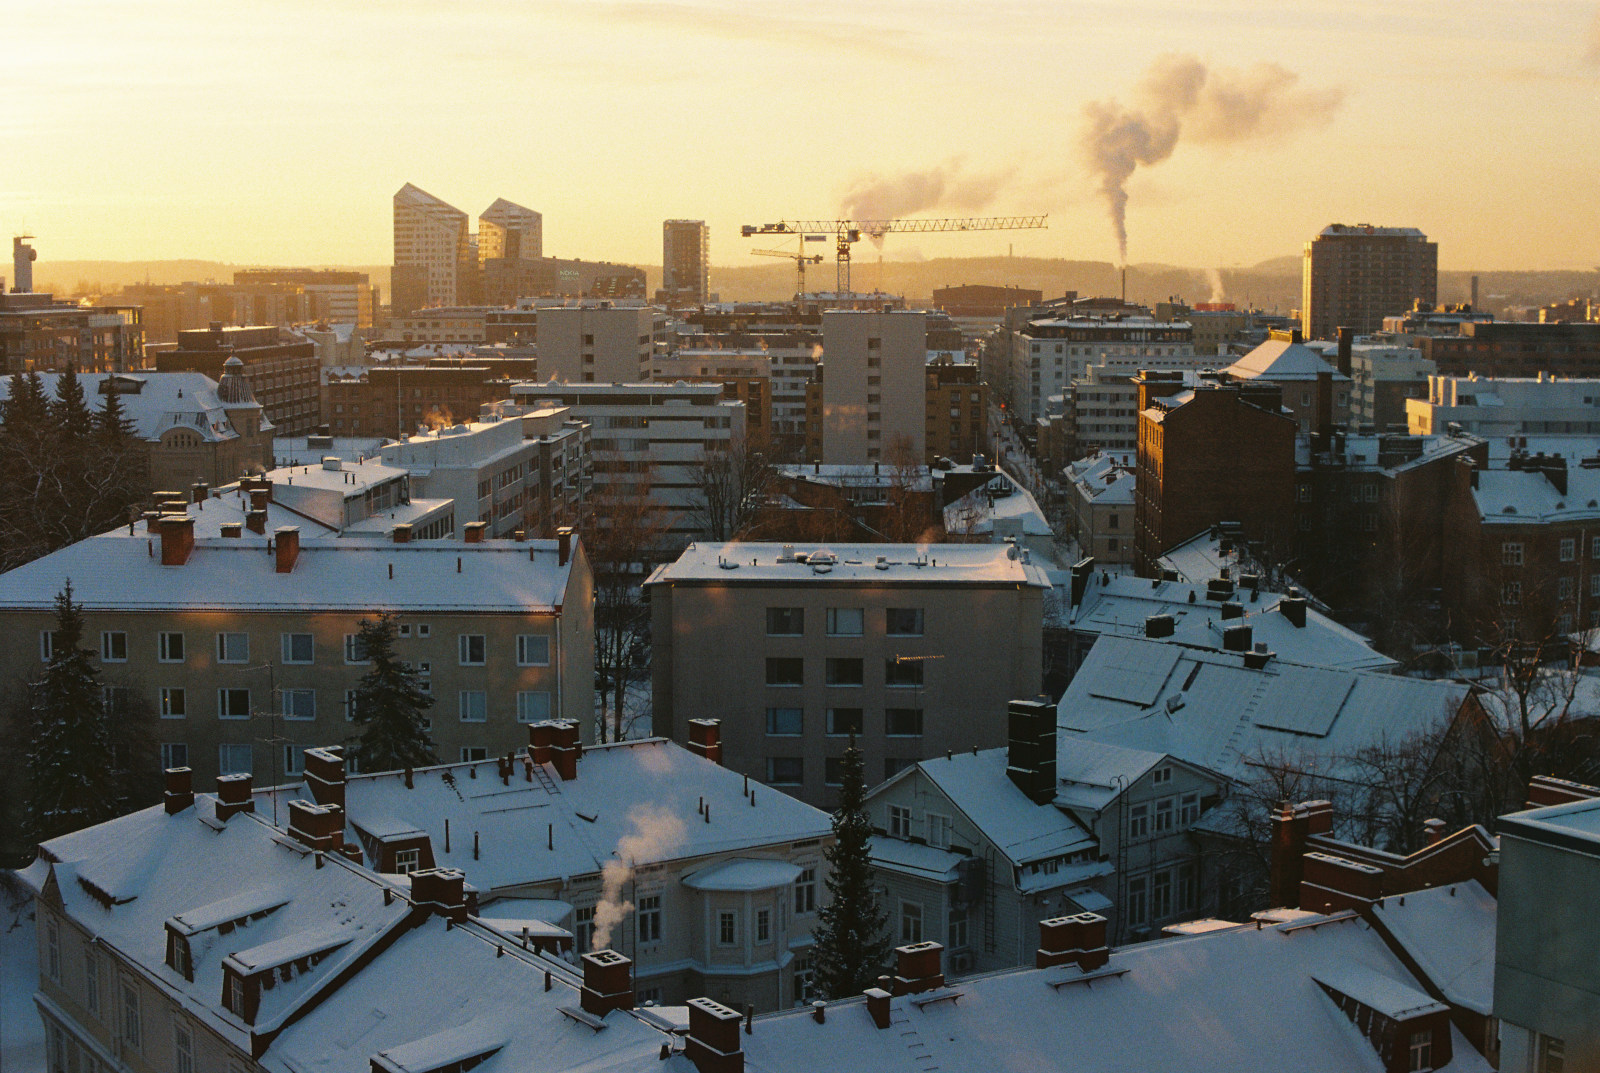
{"points": [[509, 231], [432, 251], [1353, 277], [685, 262]]}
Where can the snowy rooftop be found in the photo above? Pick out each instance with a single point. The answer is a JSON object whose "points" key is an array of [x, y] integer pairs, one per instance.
{"points": [[158, 403], [1449, 932], [298, 450], [1119, 605], [852, 564], [1211, 1003], [119, 571], [1091, 774], [348, 476], [1575, 824], [1521, 496], [546, 829], [977, 785], [917, 479], [1002, 506], [1209, 709], [1105, 477], [1280, 361]]}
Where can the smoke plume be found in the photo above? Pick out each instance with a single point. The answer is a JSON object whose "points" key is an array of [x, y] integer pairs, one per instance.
{"points": [[948, 185], [1214, 278], [1179, 97], [655, 833]]}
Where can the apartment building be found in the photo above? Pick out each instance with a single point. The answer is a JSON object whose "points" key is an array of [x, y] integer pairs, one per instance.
{"points": [[869, 396], [508, 230], [441, 324], [1100, 491], [432, 251], [242, 645], [685, 263], [1313, 392], [650, 438], [598, 342], [1383, 376], [957, 405], [358, 496], [745, 376], [407, 396], [1355, 276], [908, 650], [1051, 351], [39, 334], [194, 428], [1493, 407], [280, 366], [325, 295]]}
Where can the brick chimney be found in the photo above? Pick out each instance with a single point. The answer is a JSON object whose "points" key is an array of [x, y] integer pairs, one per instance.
{"points": [[1329, 883], [1547, 790], [441, 891], [1291, 826], [233, 530], [705, 739], [318, 826], [713, 1040], [541, 738], [233, 795], [1081, 571], [918, 968], [1293, 608], [1346, 337], [180, 790], [325, 775], [287, 540], [472, 532], [878, 1006], [256, 521], [607, 983], [401, 533], [565, 748], [1078, 940], [1031, 748], [260, 497], [1158, 626], [563, 545], [177, 539]]}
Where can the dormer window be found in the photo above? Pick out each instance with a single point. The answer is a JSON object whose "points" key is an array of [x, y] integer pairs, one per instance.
{"points": [[179, 958]]}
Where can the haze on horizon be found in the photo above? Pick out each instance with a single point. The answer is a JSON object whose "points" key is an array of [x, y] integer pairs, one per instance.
{"points": [[277, 134]]}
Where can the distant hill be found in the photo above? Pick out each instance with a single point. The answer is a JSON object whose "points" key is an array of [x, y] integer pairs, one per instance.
{"points": [[95, 277]]}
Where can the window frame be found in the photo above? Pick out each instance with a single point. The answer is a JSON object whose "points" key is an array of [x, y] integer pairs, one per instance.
{"points": [[164, 647], [773, 724], [223, 646], [524, 642], [297, 696], [889, 725], [464, 708], [525, 699], [911, 924], [899, 821], [288, 642], [778, 663], [225, 696], [889, 629], [466, 643], [833, 666], [167, 695], [778, 624], [854, 727], [112, 642], [832, 626]]}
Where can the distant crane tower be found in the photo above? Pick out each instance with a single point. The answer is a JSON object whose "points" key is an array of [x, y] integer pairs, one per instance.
{"points": [[800, 260], [846, 233]]}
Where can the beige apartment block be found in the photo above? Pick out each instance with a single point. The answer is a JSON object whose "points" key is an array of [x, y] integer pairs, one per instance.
{"points": [[873, 386], [908, 650], [241, 647], [591, 342]]}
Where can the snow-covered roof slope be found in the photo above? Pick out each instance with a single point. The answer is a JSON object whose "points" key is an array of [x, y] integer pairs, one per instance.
{"points": [[1222, 1002], [852, 564], [1521, 497], [977, 784], [1210, 709], [1280, 361], [1119, 605], [156, 402], [1105, 477], [1090, 774], [1449, 932], [1013, 512], [122, 571], [536, 831]]}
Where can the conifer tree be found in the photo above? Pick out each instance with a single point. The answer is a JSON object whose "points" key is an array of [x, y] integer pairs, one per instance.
{"points": [[69, 411], [112, 422], [852, 936], [69, 756], [389, 705]]}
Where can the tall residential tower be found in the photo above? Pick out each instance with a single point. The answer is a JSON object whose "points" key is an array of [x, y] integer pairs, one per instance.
{"points": [[1353, 277], [685, 262], [432, 251]]}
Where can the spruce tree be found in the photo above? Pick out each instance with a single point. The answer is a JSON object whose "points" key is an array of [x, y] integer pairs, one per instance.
{"points": [[852, 934], [389, 705], [112, 423], [69, 758], [69, 411]]}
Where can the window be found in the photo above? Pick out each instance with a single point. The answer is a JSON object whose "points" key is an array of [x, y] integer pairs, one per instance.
{"points": [[1137, 901], [91, 980], [785, 771], [473, 705], [113, 646], [1161, 896], [424, 630], [939, 830], [298, 648], [1510, 554], [1511, 593], [470, 753], [52, 950], [533, 650], [1161, 775], [182, 1049], [350, 705], [299, 703], [233, 704], [233, 648], [763, 925], [805, 891], [1188, 889], [786, 621], [727, 927], [173, 707], [843, 721], [294, 759], [893, 766], [1552, 1054], [785, 670], [844, 622], [649, 919], [354, 650], [1139, 821], [899, 821], [470, 649], [1164, 812], [533, 705], [902, 672], [407, 861], [844, 672], [790, 721], [1594, 584], [902, 722], [47, 645], [910, 922], [174, 754], [1303, 493], [1419, 1053], [1569, 549], [903, 622], [805, 987], [1594, 547], [234, 760], [1188, 809], [1564, 588]]}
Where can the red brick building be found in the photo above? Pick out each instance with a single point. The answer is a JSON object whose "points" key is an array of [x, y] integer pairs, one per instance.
{"points": [[1504, 349], [388, 400], [280, 367]]}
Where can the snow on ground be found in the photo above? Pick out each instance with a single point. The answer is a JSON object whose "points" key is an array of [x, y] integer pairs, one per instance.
{"points": [[21, 1033]]}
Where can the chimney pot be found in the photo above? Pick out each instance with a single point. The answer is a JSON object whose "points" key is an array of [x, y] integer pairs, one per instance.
{"points": [[713, 1041], [180, 790], [401, 533], [607, 983], [917, 968], [233, 795]]}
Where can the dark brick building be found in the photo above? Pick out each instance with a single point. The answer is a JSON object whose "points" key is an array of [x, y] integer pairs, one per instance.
{"points": [[280, 367], [391, 400], [1503, 349]]}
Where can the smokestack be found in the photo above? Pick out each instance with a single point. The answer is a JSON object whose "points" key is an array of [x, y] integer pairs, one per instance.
{"points": [[1124, 284], [1474, 294]]}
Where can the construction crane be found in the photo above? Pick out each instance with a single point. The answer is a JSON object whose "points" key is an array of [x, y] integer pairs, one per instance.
{"points": [[848, 232], [800, 260]]}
